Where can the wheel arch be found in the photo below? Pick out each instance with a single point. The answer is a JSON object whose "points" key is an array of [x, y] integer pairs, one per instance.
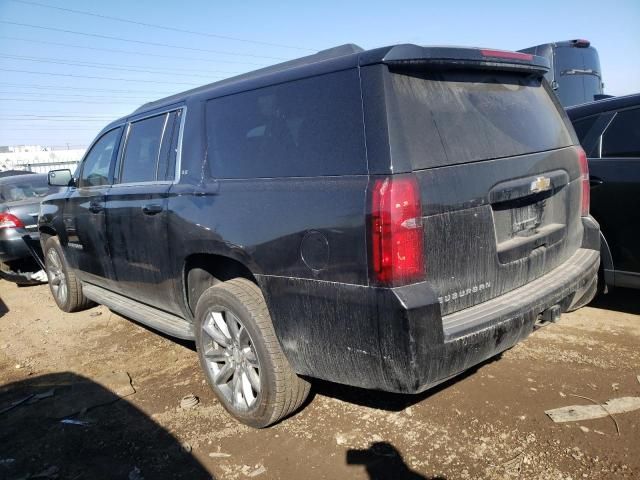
{"points": [[46, 231], [203, 270]]}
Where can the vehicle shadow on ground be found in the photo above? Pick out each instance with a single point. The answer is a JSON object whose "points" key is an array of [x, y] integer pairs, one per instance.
{"points": [[359, 396], [107, 437], [623, 300], [383, 460], [385, 400], [3, 308]]}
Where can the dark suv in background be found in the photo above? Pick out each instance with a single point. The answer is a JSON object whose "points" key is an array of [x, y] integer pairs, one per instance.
{"points": [[384, 218], [609, 131], [575, 73]]}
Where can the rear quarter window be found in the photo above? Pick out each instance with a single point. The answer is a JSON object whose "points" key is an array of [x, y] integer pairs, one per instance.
{"points": [[458, 117], [303, 128]]}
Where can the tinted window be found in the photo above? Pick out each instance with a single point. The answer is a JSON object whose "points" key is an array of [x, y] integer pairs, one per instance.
{"points": [[141, 151], [307, 127], [582, 127], [95, 168], [448, 118], [26, 188], [622, 138]]}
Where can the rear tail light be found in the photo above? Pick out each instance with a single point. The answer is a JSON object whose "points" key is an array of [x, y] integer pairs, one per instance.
{"points": [[8, 220], [397, 255], [584, 180]]}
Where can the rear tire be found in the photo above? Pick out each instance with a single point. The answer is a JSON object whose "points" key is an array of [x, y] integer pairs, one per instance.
{"points": [[63, 283], [241, 356]]}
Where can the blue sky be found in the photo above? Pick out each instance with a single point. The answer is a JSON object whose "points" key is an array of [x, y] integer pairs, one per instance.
{"points": [[55, 104]]}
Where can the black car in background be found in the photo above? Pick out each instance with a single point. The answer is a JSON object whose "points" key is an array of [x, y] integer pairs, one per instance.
{"points": [[609, 131], [575, 73], [11, 173], [20, 198]]}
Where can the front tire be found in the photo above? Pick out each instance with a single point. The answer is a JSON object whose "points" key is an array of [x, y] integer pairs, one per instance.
{"points": [[63, 283], [241, 356]]}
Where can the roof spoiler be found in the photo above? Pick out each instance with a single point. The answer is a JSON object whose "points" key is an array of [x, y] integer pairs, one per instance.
{"points": [[414, 56]]}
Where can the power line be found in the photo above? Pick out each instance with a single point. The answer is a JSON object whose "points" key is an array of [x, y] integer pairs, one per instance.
{"points": [[17, 118], [110, 66], [40, 121], [40, 100], [52, 121], [39, 94], [52, 129], [94, 77], [63, 115], [130, 52], [143, 42], [163, 27], [57, 87]]}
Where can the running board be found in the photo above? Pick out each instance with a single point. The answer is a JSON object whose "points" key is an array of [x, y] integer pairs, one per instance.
{"points": [[150, 316]]}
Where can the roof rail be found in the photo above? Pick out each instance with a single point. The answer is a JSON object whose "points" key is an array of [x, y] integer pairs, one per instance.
{"points": [[327, 54]]}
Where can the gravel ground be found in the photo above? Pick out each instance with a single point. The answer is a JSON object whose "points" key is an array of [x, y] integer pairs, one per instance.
{"points": [[121, 384]]}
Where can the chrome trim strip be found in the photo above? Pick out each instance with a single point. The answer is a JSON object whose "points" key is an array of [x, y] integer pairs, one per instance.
{"points": [[183, 119], [119, 160], [164, 129], [604, 130]]}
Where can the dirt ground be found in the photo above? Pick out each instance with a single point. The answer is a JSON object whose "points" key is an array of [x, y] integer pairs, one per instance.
{"points": [[122, 384]]}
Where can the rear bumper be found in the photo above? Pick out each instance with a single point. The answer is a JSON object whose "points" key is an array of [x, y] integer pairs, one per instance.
{"points": [[12, 247], [396, 340]]}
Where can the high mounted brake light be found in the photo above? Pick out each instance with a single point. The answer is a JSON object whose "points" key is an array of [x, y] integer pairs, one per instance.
{"points": [[580, 43], [584, 179], [505, 54], [8, 220], [397, 255]]}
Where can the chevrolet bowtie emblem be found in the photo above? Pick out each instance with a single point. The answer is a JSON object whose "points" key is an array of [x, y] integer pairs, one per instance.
{"points": [[540, 184]]}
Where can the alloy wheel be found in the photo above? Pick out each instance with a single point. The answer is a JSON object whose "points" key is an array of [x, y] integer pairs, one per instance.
{"points": [[57, 278], [231, 359]]}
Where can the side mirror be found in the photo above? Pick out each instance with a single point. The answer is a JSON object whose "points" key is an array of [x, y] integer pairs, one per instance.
{"points": [[60, 178]]}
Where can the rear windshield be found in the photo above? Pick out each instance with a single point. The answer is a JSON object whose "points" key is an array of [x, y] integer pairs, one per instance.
{"points": [[24, 189], [458, 117]]}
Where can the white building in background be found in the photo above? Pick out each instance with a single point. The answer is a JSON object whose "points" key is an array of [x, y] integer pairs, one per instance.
{"points": [[22, 148], [36, 158]]}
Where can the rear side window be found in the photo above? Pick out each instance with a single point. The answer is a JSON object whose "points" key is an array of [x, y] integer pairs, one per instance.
{"points": [[458, 117], [141, 151], [622, 137], [309, 127]]}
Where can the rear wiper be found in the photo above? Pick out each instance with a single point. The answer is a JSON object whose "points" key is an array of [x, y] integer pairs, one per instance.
{"points": [[580, 71]]}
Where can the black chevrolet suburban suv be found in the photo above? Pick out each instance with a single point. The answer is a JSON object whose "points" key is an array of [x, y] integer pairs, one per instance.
{"points": [[384, 219]]}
